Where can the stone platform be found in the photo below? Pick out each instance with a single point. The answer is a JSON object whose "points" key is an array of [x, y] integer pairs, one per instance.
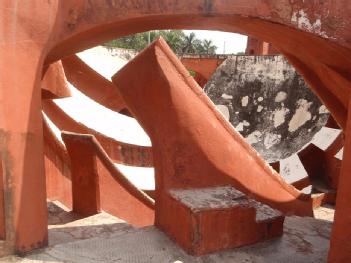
{"points": [[103, 238], [217, 218]]}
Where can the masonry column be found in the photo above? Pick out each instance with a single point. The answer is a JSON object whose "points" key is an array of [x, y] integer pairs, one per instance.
{"points": [[340, 245], [24, 31]]}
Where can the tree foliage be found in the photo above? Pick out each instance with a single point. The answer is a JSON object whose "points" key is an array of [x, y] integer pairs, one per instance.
{"points": [[179, 42]]}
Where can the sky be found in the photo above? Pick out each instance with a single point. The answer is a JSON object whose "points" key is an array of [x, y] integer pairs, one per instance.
{"points": [[234, 43]]}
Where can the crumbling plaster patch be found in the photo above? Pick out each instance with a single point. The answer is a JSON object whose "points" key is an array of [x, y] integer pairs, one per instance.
{"points": [[266, 92], [302, 21]]}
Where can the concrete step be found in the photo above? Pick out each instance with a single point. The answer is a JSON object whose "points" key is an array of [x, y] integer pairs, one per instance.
{"points": [[207, 220]]}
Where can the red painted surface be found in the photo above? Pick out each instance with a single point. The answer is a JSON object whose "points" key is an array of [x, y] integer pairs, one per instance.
{"points": [[191, 137], [84, 177], [331, 123], [340, 245], [256, 46], [2, 203], [321, 55], [204, 231], [92, 84], [21, 135], [322, 67], [120, 152], [57, 169], [204, 67], [99, 185], [54, 83], [322, 167]]}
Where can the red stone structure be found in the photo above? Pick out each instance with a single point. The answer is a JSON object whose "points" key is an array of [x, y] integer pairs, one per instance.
{"points": [[203, 66], [187, 151], [98, 185], [256, 46]]}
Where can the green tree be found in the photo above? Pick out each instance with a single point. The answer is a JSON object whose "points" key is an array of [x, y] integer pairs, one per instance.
{"points": [[175, 39], [190, 43], [179, 42], [209, 47]]}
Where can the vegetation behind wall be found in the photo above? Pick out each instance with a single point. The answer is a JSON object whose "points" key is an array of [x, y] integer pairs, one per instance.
{"points": [[180, 42]]}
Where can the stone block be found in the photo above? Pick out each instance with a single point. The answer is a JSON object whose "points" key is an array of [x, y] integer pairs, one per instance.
{"points": [[212, 219]]}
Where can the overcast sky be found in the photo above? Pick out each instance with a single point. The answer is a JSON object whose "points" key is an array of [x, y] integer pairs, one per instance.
{"points": [[234, 43]]}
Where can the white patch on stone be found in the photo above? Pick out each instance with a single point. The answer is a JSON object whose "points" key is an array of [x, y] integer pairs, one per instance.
{"points": [[271, 139], [279, 116], [301, 19], [236, 112], [281, 96], [323, 110], [259, 108], [240, 127], [245, 101], [254, 137], [340, 153], [224, 110], [246, 123], [301, 116], [227, 97], [260, 99]]}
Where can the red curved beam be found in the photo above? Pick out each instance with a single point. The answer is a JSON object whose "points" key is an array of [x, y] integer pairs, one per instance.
{"points": [[120, 152], [203, 66], [57, 168], [92, 84], [326, 52], [97, 184], [53, 84], [322, 167], [51, 139], [194, 146], [69, 26]]}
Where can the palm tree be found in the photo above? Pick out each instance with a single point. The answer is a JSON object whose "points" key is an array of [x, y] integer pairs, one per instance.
{"points": [[189, 43], [209, 47], [175, 39]]}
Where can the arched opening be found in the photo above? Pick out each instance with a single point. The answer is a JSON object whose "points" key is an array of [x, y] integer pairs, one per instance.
{"points": [[323, 62], [313, 56], [315, 64]]}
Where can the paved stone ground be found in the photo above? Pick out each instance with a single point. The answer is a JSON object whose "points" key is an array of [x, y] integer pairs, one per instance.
{"points": [[104, 238]]}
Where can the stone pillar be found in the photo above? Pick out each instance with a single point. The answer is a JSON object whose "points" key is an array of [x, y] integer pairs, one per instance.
{"points": [[84, 176], [340, 245], [24, 31]]}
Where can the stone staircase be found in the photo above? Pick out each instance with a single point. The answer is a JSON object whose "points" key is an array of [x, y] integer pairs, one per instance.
{"points": [[216, 218]]}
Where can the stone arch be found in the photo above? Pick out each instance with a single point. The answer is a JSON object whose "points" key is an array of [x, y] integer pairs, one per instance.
{"points": [[314, 36], [319, 60]]}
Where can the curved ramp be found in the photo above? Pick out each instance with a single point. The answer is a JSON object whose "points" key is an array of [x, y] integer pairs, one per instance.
{"points": [[92, 84], [98, 185], [120, 152], [193, 145], [57, 168]]}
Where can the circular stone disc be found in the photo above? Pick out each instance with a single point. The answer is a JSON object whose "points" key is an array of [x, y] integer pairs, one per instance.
{"points": [[268, 102]]}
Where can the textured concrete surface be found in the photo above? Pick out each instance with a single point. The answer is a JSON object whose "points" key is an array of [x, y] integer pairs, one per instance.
{"points": [[222, 198], [103, 238], [268, 102], [65, 226]]}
